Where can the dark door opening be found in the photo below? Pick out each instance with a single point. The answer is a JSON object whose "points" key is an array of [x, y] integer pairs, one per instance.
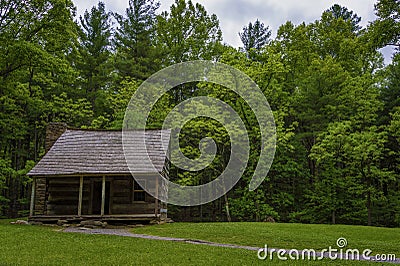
{"points": [[96, 200]]}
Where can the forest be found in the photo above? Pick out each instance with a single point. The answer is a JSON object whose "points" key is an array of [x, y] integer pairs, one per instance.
{"points": [[336, 104]]}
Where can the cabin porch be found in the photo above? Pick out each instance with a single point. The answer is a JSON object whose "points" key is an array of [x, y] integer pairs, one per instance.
{"points": [[105, 198]]}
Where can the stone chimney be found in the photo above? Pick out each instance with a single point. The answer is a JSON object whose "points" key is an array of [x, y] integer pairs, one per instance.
{"points": [[54, 130]]}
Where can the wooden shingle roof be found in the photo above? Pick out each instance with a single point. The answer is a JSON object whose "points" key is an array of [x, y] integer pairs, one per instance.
{"points": [[100, 152]]}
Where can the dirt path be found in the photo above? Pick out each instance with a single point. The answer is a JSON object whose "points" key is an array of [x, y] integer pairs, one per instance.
{"points": [[126, 233]]}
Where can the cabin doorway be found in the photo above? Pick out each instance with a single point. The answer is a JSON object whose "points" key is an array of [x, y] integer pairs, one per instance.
{"points": [[96, 198]]}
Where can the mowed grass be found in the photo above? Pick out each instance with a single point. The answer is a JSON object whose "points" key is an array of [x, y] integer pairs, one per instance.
{"points": [[42, 245], [286, 236]]}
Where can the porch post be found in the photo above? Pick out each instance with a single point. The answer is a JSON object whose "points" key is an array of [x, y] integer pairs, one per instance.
{"points": [[156, 198], [103, 194], [80, 195], [32, 197]]}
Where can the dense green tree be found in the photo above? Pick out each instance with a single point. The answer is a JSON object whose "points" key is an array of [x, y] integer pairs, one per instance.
{"points": [[188, 32], [330, 79], [35, 38], [395, 124], [136, 55], [389, 117], [276, 192], [336, 35], [347, 15], [254, 36], [119, 100], [31, 30], [390, 87], [386, 29], [349, 168], [94, 54]]}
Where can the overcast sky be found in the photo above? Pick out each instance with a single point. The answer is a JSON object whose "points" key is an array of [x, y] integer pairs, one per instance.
{"points": [[234, 14]]}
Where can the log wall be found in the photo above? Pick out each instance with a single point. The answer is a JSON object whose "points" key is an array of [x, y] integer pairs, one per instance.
{"points": [[63, 196], [122, 198], [40, 197]]}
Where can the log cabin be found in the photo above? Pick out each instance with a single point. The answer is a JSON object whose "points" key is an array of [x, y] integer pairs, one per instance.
{"points": [[84, 175]]}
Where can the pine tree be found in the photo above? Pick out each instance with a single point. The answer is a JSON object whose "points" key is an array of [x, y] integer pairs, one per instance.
{"points": [[255, 36], [136, 55], [94, 53]]}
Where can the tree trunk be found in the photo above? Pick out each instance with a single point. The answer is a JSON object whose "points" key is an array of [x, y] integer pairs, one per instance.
{"points": [[228, 215], [369, 208]]}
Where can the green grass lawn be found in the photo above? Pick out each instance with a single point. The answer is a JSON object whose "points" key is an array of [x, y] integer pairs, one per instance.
{"points": [[41, 245], [287, 236]]}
